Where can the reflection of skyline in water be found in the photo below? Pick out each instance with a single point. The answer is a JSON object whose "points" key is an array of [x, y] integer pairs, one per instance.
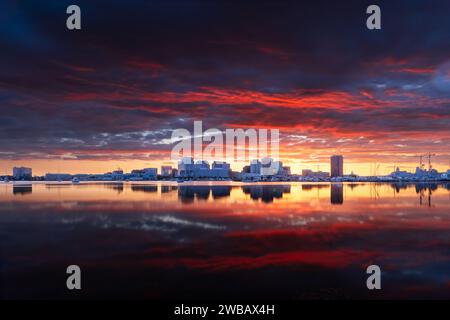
{"points": [[264, 192], [337, 193], [270, 240], [144, 188], [115, 186], [167, 189], [267, 192], [188, 193], [22, 189]]}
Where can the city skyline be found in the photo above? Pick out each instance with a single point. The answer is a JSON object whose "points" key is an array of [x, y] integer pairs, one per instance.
{"points": [[349, 167], [263, 169], [86, 103]]}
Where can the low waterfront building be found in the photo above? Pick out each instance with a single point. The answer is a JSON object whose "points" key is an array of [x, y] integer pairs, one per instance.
{"points": [[264, 169], [286, 171], [166, 171], [251, 177], [142, 174], [320, 175], [220, 169], [186, 168], [419, 175], [201, 169], [58, 177], [150, 174], [22, 173], [270, 167]]}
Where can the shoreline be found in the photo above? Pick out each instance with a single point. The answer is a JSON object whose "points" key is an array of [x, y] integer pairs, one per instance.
{"points": [[216, 182]]}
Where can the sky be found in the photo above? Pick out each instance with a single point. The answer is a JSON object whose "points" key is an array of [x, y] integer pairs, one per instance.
{"points": [[110, 95]]}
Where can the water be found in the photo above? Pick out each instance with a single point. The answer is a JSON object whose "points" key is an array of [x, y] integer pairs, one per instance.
{"points": [[225, 240]]}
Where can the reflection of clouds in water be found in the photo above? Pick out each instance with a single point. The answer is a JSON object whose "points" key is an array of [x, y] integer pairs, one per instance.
{"points": [[177, 221], [162, 223], [303, 238], [72, 220], [143, 223]]}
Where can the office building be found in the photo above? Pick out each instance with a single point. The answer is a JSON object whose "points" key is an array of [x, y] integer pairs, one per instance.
{"points": [[202, 170], [22, 173], [286, 171], [255, 167], [166, 171], [150, 174], [220, 169], [337, 166], [186, 167]]}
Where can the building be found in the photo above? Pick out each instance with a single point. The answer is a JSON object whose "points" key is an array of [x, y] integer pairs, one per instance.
{"points": [[286, 171], [58, 177], [201, 169], [220, 170], [278, 168], [221, 165], [337, 166], [22, 173], [270, 167], [143, 174], [150, 174], [307, 173], [418, 175], [166, 171], [186, 167], [117, 175], [446, 175], [266, 167], [255, 167]]}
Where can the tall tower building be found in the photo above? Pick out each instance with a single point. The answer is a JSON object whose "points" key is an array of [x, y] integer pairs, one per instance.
{"points": [[337, 166]]}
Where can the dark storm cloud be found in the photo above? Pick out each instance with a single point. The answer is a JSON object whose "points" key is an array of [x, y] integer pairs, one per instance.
{"points": [[152, 66]]}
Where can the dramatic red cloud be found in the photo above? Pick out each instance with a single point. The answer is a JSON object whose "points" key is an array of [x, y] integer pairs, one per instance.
{"points": [[404, 66], [417, 70], [276, 52], [296, 99], [154, 67], [328, 259]]}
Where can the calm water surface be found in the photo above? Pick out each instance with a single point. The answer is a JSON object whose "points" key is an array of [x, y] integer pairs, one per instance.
{"points": [[225, 240]]}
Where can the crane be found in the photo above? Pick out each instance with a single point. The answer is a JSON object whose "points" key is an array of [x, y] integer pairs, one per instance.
{"points": [[375, 168], [429, 160], [421, 164]]}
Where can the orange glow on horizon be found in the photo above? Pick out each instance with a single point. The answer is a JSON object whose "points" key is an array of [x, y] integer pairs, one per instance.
{"points": [[41, 167]]}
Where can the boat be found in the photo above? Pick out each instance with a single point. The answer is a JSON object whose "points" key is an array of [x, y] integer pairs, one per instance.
{"points": [[75, 180]]}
